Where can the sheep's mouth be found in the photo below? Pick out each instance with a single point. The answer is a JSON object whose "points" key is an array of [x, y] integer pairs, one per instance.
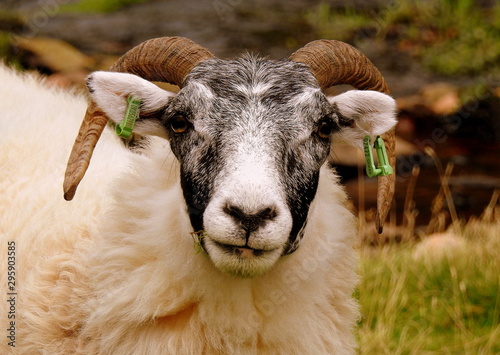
{"points": [[241, 260], [241, 251]]}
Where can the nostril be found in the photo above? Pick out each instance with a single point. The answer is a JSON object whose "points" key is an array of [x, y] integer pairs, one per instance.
{"points": [[234, 212], [250, 221], [268, 213]]}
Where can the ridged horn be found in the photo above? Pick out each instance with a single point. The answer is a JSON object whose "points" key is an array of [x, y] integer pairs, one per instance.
{"points": [[166, 59], [335, 63]]}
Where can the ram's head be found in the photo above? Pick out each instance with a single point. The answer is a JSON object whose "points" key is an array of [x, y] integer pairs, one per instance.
{"points": [[250, 136]]}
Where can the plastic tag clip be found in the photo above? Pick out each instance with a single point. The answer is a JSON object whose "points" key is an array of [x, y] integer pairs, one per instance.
{"points": [[124, 128], [384, 167]]}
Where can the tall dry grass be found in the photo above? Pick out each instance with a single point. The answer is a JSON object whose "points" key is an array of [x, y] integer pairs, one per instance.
{"points": [[436, 294]]}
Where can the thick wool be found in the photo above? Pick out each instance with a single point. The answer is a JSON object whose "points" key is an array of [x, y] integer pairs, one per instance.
{"points": [[116, 271]]}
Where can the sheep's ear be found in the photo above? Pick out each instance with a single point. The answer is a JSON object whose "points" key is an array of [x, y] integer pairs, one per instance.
{"points": [[109, 90], [363, 113]]}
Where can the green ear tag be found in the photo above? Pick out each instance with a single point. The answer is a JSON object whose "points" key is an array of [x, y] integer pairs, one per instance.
{"points": [[384, 167], [125, 127]]}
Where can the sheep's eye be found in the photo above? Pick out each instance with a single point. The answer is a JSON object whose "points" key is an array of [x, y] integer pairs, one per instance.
{"points": [[324, 130], [179, 124]]}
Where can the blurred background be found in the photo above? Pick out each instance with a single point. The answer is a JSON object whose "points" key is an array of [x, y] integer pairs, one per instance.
{"points": [[441, 60]]}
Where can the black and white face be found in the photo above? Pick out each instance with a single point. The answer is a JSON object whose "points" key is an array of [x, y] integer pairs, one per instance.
{"points": [[250, 156], [251, 136]]}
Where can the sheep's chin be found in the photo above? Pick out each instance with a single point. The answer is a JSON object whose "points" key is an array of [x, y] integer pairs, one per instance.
{"points": [[241, 261]]}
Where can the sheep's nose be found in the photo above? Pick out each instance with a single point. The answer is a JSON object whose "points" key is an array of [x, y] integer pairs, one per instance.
{"points": [[250, 222]]}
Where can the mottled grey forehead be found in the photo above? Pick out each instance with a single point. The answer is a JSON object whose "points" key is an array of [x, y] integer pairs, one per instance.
{"points": [[282, 87], [285, 78]]}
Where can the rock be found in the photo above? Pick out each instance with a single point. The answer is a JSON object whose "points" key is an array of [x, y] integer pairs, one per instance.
{"points": [[54, 54], [435, 99], [441, 98], [409, 103], [435, 247], [476, 181]]}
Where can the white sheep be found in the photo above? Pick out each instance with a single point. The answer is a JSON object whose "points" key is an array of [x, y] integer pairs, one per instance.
{"points": [[229, 237]]}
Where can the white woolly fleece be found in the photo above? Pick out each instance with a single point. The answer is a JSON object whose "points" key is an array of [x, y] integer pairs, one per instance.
{"points": [[115, 271]]}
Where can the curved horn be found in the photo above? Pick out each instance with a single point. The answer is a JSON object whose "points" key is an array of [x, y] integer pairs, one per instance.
{"points": [[167, 59], [334, 63]]}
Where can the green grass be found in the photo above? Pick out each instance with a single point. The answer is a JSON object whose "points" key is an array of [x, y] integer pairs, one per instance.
{"points": [[467, 38], [5, 50], [450, 37], [447, 305], [98, 6], [336, 24]]}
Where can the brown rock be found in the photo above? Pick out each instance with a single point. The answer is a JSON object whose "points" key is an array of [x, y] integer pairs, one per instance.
{"points": [[408, 103], [441, 98], [434, 99], [54, 54], [435, 247]]}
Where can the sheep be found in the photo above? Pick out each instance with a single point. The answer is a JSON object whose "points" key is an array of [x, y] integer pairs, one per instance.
{"points": [[219, 228]]}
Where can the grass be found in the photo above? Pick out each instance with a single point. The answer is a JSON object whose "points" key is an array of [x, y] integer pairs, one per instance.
{"points": [[97, 6], [461, 30], [340, 24], [447, 306], [432, 299], [449, 37]]}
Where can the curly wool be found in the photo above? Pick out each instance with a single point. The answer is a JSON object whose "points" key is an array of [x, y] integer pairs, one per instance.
{"points": [[116, 271]]}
